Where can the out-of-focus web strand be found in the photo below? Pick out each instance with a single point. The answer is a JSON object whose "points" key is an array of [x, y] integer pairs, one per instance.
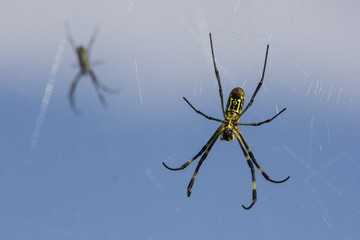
{"points": [[47, 95]]}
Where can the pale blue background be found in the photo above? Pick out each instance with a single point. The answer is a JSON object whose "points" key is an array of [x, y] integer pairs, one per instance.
{"points": [[99, 175]]}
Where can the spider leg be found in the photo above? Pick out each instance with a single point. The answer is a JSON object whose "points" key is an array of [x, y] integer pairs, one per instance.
{"points": [[202, 159], [217, 75], [266, 121], [251, 166], [256, 164], [69, 37], [72, 92], [259, 85], [101, 85], [199, 112], [92, 39], [214, 136], [97, 88]]}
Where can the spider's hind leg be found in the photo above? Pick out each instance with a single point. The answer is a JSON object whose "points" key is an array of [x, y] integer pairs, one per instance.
{"points": [[69, 36], [259, 84], [217, 76], [92, 39]]}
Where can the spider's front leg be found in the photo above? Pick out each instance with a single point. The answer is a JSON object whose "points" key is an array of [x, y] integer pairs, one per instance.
{"points": [[255, 162], [72, 92], [251, 166], [202, 159], [214, 136]]}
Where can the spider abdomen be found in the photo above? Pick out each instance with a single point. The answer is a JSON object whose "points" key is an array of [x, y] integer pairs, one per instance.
{"points": [[83, 59], [235, 103]]}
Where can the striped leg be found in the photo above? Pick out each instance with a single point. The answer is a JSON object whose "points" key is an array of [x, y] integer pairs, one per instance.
{"points": [[214, 136], [256, 164], [252, 171], [202, 159]]}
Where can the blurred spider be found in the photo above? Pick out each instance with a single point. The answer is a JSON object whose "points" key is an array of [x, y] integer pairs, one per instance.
{"points": [[83, 55], [229, 128]]}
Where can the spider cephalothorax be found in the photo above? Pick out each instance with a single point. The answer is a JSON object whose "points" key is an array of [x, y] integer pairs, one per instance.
{"points": [[227, 132], [229, 128]]}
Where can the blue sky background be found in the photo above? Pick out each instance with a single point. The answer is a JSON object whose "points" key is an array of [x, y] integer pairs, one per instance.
{"points": [[99, 175]]}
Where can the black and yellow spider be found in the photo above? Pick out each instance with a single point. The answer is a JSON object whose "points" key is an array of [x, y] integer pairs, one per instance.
{"points": [[83, 55], [229, 128]]}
